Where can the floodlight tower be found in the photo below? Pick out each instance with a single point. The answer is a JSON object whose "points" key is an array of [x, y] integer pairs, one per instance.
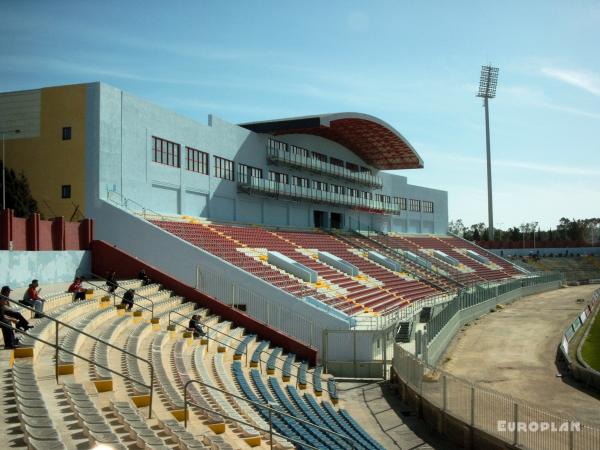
{"points": [[487, 90]]}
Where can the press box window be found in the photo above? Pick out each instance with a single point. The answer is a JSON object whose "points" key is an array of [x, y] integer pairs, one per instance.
{"points": [[66, 133], [66, 191]]}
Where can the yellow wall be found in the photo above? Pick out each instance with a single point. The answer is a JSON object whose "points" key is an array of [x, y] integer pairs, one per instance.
{"points": [[47, 160]]}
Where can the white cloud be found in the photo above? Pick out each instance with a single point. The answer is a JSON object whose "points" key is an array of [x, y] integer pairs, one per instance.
{"points": [[587, 81]]}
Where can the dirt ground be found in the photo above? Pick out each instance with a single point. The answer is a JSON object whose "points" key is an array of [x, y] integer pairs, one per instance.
{"points": [[514, 350]]}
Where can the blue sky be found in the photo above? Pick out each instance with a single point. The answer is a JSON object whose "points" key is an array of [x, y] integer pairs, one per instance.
{"points": [[413, 64]]}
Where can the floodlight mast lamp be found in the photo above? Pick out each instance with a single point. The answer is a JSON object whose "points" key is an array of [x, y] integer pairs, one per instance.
{"points": [[487, 89]]}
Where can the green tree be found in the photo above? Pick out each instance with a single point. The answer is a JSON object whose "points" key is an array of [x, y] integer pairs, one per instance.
{"points": [[18, 194]]}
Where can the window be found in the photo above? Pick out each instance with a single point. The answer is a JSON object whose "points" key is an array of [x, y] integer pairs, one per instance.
{"points": [[351, 167], [353, 192], [278, 145], [197, 161], [414, 205], [366, 195], [320, 156], [336, 162], [66, 134], [278, 177], [299, 151], [383, 198], [246, 172], [427, 207], [165, 152], [338, 189], [365, 169], [299, 181], [399, 201], [224, 168], [319, 185], [66, 191]]}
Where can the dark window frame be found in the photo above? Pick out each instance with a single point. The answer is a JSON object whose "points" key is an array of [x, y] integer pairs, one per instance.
{"points": [[224, 168], [197, 160], [67, 133], [166, 152], [65, 191]]}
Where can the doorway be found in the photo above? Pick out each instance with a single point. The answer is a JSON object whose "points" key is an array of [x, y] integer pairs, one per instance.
{"points": [[319, 219], [337, 220]]}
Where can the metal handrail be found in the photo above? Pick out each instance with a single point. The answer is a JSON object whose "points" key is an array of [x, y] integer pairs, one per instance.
{"points": [[115, 295], [208, 328], [58, 348], [453, 279], [396, 254], [258, 405], [260, 360], [125, 203]]}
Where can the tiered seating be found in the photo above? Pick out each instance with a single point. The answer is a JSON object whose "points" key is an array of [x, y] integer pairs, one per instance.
{"points": [[388, 292], [395, 289], [475, 272], [116, 416]]}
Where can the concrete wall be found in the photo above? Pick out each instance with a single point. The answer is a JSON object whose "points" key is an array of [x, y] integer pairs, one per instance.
{"points": [[122, 149], [48, 161], [18, 268], [183, 261]]}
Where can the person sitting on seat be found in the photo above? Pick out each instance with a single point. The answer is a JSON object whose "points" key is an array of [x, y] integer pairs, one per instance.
{"points": [[128, 299], [8, 332], [77, 289], [143, 277], [15, 316], [112, 282], [196, 326], [32, 299]]}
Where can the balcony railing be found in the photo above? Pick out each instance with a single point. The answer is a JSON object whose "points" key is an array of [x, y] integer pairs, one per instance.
{"points": [[289, 158], [273, 188]]}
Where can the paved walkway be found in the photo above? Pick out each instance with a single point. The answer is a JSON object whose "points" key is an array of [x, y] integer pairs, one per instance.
{"points": [[380, 411], [514, 349]]}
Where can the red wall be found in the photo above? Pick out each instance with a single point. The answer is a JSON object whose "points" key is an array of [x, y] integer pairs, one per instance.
{"points": [[106, 257], [36, 234], [45, 233]]}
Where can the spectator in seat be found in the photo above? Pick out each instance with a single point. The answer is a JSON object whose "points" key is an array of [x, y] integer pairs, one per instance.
{"points": [[77, 289], [21, 322], [112, 282], [128, 299], [143, 277], [195, 326], [32, 298], [8, 333]]}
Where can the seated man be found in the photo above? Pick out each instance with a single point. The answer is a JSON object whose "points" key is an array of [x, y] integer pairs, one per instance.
{"points": [[8, 333], [196, 326], [112, 282], [128, 299], [21, 322], [32, 299], [143, 277], [77, 289]]}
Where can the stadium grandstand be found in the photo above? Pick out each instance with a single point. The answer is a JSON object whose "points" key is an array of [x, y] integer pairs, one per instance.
{"points": [[302, 256]]}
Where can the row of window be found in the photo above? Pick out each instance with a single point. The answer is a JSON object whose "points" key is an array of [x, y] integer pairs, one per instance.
{"points": [[167, 152], [294, 149]]}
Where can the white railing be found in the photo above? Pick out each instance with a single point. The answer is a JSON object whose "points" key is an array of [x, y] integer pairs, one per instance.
{"points": [[254, 184], [514, 421], [278, 152]]}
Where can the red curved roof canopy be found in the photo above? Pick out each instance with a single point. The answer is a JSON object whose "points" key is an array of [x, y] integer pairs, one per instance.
{"points": [[373, 140]]}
